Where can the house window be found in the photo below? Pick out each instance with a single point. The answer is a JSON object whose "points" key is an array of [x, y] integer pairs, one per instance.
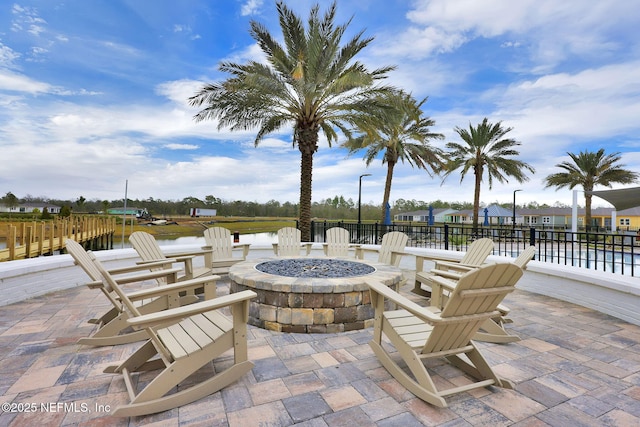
{"points": [[546, 220], [624, 221]]}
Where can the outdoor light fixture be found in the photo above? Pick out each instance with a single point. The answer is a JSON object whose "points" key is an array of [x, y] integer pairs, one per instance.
{"points": [[514, 209], [360, 197]]}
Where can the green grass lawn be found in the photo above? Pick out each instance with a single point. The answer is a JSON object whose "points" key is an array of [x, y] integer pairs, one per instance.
{"points": [[194, 226]]}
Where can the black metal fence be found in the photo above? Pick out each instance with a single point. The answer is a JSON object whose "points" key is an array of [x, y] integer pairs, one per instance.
{"points": [[615, 253]]}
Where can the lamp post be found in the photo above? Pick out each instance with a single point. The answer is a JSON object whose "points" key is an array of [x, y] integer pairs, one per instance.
{"points": [[360, 201], [514, 210]]}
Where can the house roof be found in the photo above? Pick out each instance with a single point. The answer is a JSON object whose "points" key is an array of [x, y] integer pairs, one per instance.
{"points": [[497, 211], [424, 212], [38, 205]]}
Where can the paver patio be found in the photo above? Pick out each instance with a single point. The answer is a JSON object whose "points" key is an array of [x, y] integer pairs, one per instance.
{"points": [[574, 366]]}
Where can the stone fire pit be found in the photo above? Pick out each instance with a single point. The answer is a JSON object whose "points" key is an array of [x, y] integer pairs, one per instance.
{"points": [[312, 295]]}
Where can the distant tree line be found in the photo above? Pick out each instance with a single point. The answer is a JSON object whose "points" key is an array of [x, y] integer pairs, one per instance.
{"points": [[336, 207]]}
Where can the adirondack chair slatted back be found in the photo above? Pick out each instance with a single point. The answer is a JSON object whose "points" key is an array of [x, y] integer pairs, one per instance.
{"points": [[337, 242], [289, 241], [109, 281], [85, 261], [219, 239], [130, 307], [393, 241], [527, 255], [475, 298], [478, 252], [146, 246]]}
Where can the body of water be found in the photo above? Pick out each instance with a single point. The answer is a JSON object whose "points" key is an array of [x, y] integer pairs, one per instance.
{"points": [[254, 239]]}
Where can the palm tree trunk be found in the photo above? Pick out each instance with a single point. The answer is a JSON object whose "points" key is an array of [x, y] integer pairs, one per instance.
{"points": [[308, 145], [387, 189], [587, 211], [476, 199]]}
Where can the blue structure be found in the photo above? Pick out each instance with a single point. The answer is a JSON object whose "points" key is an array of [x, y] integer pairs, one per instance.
{"points": [[387, 214]]}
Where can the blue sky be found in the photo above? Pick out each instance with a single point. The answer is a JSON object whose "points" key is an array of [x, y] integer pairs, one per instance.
{"points": [[94, 93]]}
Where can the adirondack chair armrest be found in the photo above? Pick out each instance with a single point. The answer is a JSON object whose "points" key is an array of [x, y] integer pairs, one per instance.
{"points": [[185, 285], [452, 265], [439, 283], [306, 246], [96, 284], [155, 262], [275, 248], [194, 253], [361, 250], [401, 302], [183, 257], [396, 255], [165, 263], [244, 247], [171, 274], [454, 275], [420, 259], [177, 314]]}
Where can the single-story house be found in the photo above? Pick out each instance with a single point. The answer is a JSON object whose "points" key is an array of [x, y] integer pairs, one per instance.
{"points": [[29, 207], [439, 215], [627, 219]]}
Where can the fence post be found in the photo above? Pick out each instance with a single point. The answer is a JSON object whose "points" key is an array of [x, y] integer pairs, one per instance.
{"points": [[28, 241], [11, 242], [446, 237], [532, 236], [41, 235]]}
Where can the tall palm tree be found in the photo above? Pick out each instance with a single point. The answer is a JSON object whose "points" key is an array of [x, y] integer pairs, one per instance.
{"points": [[588, 170], [487, 149], [399, 131], [312, 83]]}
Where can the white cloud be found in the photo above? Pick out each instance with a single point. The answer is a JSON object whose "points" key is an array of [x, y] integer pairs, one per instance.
{"points": [[7, 56], [251, 7], [593, 103], [27, 17], [14, 82], [552, 29], [181, 146]]}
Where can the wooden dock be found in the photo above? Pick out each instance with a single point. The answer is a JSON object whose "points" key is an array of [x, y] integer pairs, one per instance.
{"points": [[37, 238]]}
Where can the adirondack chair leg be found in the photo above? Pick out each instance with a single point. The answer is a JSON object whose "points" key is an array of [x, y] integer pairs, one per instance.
{"points": [[136, 360], [152, 398], [126, 338], [187, 396], [419, 290], [490, 331], [111, 329], [423, 278], [479, 368], [426, 391], [421, 385], [105, 318]]}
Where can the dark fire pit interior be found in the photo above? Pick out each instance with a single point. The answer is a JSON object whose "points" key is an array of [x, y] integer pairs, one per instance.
{"points": [[315, 267]]}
